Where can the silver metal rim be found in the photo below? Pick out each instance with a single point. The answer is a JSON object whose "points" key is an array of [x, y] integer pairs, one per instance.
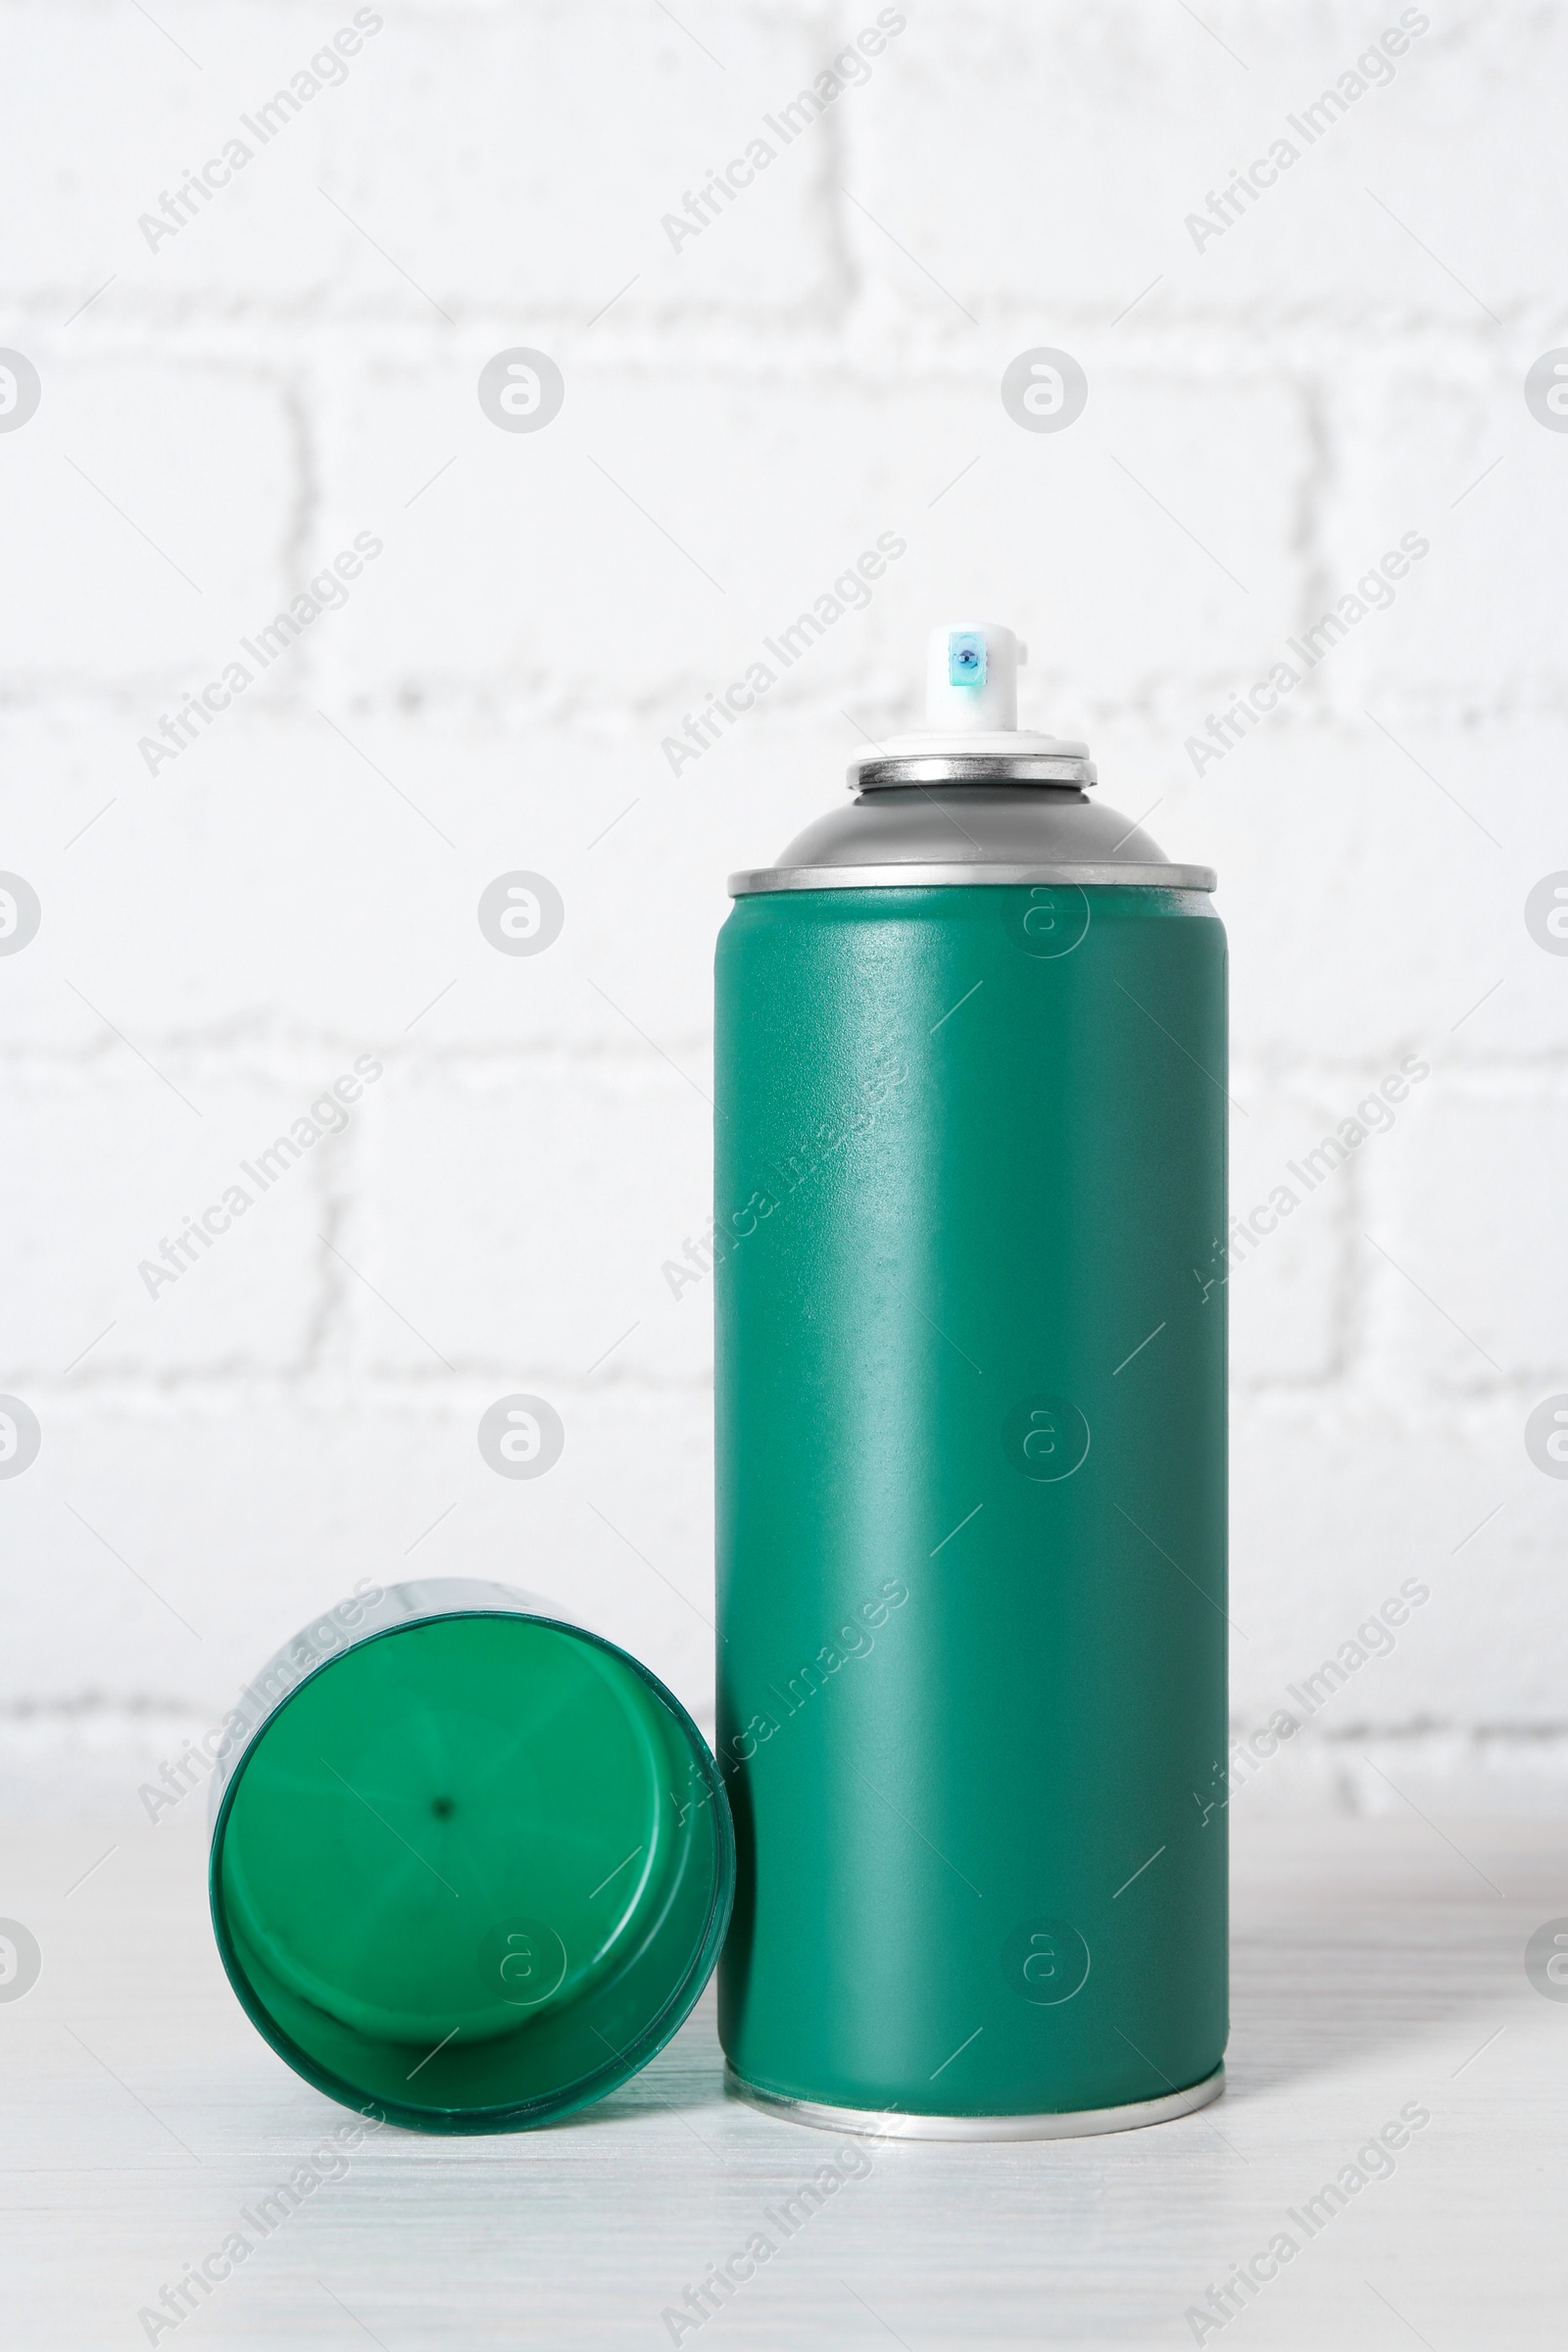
{"points": [[967, 877], [876, 772], [881, 2124]]}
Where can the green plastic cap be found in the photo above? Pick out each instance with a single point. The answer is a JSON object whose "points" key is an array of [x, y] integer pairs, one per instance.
{"points": [[471, 1863]]}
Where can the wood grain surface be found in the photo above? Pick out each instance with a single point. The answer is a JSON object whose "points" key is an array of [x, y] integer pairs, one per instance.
{"points": [[1378, 1966]]}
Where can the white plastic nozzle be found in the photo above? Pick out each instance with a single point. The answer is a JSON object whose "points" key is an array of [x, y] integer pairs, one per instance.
{"points": [[971, 733], [972, 678]]}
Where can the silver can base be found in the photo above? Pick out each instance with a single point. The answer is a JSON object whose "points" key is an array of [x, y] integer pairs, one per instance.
{"points": [[894, 2124]]}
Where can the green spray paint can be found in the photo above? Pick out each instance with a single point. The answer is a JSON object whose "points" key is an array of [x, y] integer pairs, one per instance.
{"points": [[971, 1204]]}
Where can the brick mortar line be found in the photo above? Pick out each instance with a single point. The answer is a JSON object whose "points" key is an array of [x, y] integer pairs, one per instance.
{"points": [[877, 335], [485, 1063], [142, 1391], [579, 711]]}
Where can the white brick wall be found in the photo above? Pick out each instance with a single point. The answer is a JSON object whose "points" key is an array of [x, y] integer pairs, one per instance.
{"points": [[220, 938]]}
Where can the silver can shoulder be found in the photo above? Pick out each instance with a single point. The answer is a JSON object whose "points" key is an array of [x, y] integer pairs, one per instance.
{"points": [[970, 836], [970, 876]]}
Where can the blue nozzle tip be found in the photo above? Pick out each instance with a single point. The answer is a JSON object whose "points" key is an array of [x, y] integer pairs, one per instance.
{"points": [[966, 658]]}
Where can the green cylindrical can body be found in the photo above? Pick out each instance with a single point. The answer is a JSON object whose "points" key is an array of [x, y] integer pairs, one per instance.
{"points": [[970, 1153]]}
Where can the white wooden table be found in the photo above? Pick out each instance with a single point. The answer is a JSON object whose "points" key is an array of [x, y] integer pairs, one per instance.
{"points": [[1376, 1967]]}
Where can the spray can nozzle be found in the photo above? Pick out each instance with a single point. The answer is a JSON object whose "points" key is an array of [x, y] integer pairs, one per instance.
{"points": [[971, 733], [972, 678], [967, 658]]}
